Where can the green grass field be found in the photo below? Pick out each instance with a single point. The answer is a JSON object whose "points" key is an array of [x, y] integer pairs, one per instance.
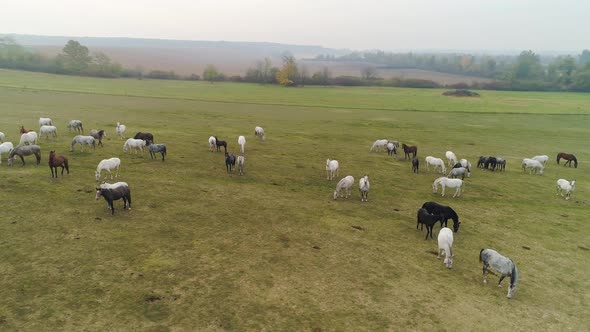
{"points": [[271, 250]]}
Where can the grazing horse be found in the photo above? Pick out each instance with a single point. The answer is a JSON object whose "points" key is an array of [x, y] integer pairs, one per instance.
{"points": [[458, 172], [491, 163], [428, 220], [135, 144], [230, 161], [543, 158], [83, 140], [23, 151], [76, 125], [501, 164], [436, 162], [564, 185], [22, 130], [451, 158], [259, 132], [532, 165], [155, 148], [415, 165], [241, 164], [212, 143], [120, 130], [445, 243], [220, 144], [446, 182], [108, 165], [5, 147], [409, 149], [114, 193], [48, 130], [482, 161], [28, 138], [380, 143], [98, 134], [144, 136], [569, 158], [392, 149], [447, 212], [58, 161], [45, 121], [364, 187], [242, 143], [345, 184], [2, 137], [505, 266], [465, 163], [332, 167]]}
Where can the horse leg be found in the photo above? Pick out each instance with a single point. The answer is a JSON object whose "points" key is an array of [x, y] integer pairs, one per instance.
{"points": [[500, 281], [443, 189], [485, 273], [22, 159]]}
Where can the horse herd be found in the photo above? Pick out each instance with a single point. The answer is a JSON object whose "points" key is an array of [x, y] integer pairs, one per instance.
{"points": [[431, 212]]}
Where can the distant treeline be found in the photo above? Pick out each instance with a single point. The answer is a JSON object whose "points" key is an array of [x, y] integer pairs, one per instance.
{"points": [[525, 72]]}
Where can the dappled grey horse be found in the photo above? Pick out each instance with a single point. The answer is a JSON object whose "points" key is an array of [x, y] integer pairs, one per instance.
{"points": [[23, 151], [504, 265], [155, 148]]}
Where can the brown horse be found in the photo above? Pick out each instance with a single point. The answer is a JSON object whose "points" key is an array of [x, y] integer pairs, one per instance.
{"points": [[568, 157], [23, 130], [58, 161], [408, 150]]}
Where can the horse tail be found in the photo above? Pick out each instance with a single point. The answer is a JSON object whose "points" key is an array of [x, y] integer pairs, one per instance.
{"points": [[513, 275], [558, 155], [480, 254], [66, 165]]}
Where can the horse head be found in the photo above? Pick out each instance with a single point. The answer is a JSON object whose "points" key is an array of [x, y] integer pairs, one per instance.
{"points": [[98, 193]]}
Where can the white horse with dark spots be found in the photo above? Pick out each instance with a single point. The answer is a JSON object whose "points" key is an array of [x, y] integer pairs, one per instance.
{"points": [[108, 165], [436, 162], [565, 187], [445, 244], [5, 147], [83, 140], [45, 121], [331, 169], [451, 158], [48, 131], [446, 182], [364, 187], [24, 150], [120, 130], [505, 266], [379, 144], [344, 185], [212, 143], [76, 125], [28, 138], [242, 143], [458, 172]]}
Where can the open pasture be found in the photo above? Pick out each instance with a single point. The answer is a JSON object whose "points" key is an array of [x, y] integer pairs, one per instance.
{"points": [[271, 250]]}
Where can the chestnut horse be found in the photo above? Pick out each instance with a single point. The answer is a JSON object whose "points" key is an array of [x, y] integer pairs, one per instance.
{"points": [[58, 161], [568, 157], [22, 130], [408, 150]]}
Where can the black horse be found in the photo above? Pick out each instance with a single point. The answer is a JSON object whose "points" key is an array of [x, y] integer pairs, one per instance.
{"points": [[409, 149], [447, 212], [113, 194], [415, 165], [429, 220], [569, 157], [230, 161], [220, 144], [148, 137], [491, 163]]}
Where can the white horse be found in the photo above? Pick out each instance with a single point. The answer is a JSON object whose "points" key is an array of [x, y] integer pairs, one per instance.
{"points": [[212, 144], [504, 265], [76, 125], [344, 184], [436, 162], [48, 130], [241, 165], [5, 147], [379, 144], [2, 137], [242, 142], [259, 132], [30, 138], [445, 243], [120, 129], [446, 182], [45, 121], [563, 186], [542, 159], [106, 185], [108, 165], [451, 158], [392, 148], [83, 140], [331, 168], [364, 187], [135, 144], [465, 163], [532, 165]]}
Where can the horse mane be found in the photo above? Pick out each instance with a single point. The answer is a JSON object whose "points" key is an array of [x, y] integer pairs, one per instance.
{"points": [[480, 252], [451, 213]]}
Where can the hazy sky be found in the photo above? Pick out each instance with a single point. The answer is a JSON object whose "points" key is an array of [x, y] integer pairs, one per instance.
{"points": [[539, 25]]}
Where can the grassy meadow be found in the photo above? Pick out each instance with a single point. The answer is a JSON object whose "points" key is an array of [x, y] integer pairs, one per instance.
{"points": [[271, 250]]}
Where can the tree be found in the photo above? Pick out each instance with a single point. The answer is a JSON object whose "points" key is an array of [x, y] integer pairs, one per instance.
{"points": [[369, 73], [564, 67], [210, 73], [584, 57], [528, 66], [581, 79], [321, 77], [75, 57], [287, 75]]}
